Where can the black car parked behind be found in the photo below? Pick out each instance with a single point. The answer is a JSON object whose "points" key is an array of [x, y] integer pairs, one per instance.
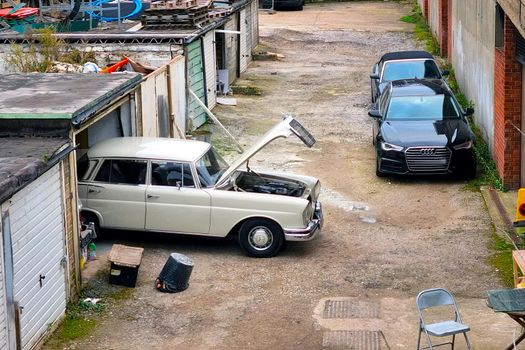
{"points": [[403, 65], [420, 128]]}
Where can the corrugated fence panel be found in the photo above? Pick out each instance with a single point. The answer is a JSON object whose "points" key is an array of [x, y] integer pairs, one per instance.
{"points": [[195, 69], [149, 108], [37, 231], [210, 67], [163, 112]]}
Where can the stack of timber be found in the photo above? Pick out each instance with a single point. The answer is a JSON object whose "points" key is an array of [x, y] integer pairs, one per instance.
{"points": [[177, 14]]}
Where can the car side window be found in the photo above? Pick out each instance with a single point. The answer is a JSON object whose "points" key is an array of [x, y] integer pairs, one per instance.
{"points": [[383, 100], [122, 171], [171, 173]]}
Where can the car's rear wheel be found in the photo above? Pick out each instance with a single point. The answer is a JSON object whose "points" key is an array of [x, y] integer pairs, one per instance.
{"points": [[261, 238]]}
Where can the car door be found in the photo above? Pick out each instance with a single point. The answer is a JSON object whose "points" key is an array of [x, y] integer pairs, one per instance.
{"points": [[173, 201], [118, 193]]}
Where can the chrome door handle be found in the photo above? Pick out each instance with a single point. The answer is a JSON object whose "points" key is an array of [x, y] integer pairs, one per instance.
{"points": [[91, 190], [152, 196]]}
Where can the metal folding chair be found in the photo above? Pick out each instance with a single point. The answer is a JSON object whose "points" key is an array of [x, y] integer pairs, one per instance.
{"points": [[434, 298]]}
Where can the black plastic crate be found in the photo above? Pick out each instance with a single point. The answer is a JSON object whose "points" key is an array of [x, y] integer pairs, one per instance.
{"points": [[123, 275]]}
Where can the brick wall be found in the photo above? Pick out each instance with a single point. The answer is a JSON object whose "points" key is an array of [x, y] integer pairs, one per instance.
{"points": [[443, 27], [507, 108], [425, 8]]}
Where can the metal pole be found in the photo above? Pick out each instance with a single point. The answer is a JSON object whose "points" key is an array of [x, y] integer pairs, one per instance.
{"points": [[215, 120]]}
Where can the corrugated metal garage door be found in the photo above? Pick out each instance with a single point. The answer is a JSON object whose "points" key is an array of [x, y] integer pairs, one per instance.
{"points": [[243, 55], [37, 234], [195, 71], [210, 68]]}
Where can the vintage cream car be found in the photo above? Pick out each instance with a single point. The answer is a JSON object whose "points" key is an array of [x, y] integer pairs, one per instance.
{"points": [[182, 186]]}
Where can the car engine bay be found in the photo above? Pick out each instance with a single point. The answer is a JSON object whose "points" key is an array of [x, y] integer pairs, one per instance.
{"points": [[259, 183]]}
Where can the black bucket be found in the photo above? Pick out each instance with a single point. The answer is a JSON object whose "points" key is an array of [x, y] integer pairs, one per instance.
{"points": [[175, 274]]}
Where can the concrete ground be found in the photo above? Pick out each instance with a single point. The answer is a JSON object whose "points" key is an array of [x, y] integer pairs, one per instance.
{"points": [[384, 240]]}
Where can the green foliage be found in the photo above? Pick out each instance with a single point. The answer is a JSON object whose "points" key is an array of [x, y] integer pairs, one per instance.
{"points": [[421, 29], [489, 173], [246, 90], [76, 56], [81, 319], [502, 259], [40, 57]]}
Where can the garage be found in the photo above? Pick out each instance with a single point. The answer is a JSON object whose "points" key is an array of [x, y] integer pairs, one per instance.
{"points": [[38, 256]]}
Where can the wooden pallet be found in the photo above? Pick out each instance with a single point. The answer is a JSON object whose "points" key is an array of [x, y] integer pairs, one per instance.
{"points": [[172, 26], [173, 4], [217, 14]]}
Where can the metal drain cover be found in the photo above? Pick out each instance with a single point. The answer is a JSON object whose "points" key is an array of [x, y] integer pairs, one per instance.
{"points": [[351, 309], [354, 340]]}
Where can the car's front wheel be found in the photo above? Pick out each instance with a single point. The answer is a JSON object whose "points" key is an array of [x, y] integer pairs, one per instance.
{"points": [[261, 238], [379, 173]]}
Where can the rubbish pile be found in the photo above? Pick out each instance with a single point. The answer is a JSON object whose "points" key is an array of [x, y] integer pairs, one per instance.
{"points": [[16, 16], [180, 14]]}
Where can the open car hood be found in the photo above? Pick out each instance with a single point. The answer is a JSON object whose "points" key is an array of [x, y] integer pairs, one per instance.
{"points": [[286, 127]]}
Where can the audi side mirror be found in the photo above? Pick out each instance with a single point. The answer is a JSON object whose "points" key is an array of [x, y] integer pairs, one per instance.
{"points": [[469, 111], [374, 76], [374, 113]]}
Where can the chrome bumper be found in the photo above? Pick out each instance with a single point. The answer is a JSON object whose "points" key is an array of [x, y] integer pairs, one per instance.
{"points": [[311, 231]]}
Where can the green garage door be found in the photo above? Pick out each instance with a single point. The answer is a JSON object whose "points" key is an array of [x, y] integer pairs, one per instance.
{"points": [[195, 72]]}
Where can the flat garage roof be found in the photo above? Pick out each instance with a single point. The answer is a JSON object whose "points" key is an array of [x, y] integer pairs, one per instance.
{"points": [[60, 96], [23, 159]]}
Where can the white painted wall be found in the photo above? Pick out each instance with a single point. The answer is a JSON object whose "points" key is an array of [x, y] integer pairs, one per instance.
{"points": [[433, 16], [473, 58]]}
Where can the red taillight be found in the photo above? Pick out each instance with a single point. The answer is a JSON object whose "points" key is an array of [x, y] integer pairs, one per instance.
{"points": [[521, 209]]}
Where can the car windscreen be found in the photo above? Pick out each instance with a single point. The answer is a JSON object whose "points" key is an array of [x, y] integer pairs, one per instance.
{"points": [[210, 167], [432, 107], [410, 70]]}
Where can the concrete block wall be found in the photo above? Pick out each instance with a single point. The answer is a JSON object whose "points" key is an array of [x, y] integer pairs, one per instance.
{"points": [[507, 108]]}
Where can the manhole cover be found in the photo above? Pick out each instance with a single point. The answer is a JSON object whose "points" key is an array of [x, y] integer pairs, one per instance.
{"points": [[355, 340], [350, 309]]}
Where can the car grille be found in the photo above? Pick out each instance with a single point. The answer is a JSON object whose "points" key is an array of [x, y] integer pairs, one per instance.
{"points": [[428, 159]]}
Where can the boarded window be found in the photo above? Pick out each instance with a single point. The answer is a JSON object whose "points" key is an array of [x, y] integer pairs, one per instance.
{"points": [[520, 48], [500, 19]]}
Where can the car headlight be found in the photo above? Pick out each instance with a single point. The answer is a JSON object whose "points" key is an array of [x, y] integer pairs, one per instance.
{"points": [[464, 145], [385, 146]]}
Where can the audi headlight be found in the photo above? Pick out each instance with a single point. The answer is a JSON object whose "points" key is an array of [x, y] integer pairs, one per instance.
{"points": [[464, 145], [385, 146]]}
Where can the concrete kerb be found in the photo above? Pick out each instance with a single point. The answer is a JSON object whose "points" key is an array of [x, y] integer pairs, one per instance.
{"points": [[501, 207]]}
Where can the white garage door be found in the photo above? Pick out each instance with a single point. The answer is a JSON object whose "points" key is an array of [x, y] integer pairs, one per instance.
{"points": [[210, 68], [3, 313], [37, 231], [244, 56]]}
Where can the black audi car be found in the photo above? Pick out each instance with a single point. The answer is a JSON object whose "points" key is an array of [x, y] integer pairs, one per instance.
{"points": [[420, 128], [403, 65]]}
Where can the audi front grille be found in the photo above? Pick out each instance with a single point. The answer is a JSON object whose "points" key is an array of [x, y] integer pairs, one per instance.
{"points": [[428, 159]]}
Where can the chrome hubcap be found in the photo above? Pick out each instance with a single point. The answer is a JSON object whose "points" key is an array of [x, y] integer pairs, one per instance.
{"points": [[260, 238]]}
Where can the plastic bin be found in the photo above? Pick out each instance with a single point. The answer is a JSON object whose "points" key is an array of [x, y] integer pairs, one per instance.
{"points": [[125, 263]]}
